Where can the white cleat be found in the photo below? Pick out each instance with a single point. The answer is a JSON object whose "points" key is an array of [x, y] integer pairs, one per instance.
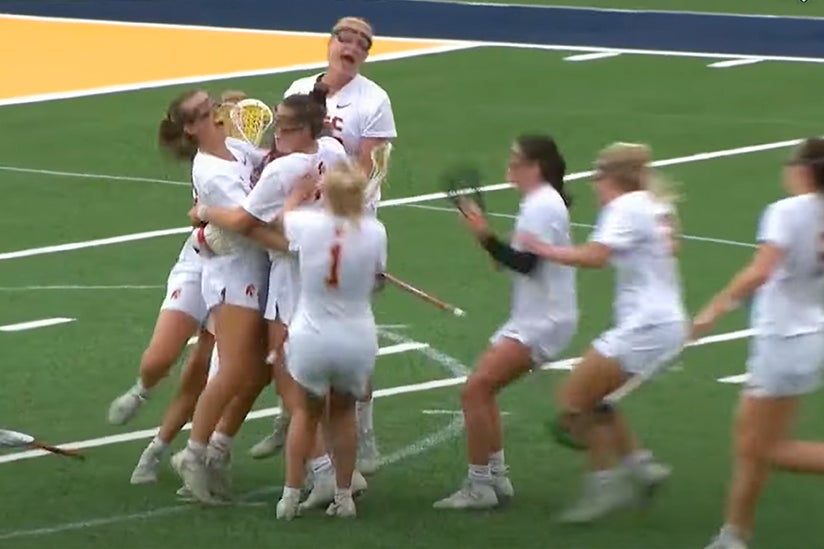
{"points": [[649, 477], [219, 469], [124, 407], [195, 476], [274, 442], [323, 490], [503, 486], [342, 507], [472, 495], [727, 539], [147, 467], [184, 494], [600, 497], [368, 460], [287, 508]]}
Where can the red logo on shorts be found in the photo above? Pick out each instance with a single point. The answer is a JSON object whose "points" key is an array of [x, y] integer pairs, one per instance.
{"points": [[176, 293], [250, 290]]}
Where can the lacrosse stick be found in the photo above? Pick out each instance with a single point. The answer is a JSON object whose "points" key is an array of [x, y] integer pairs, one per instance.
{"points": [[14, 439], [423, 295], [641, 379], [460, 181], [380, 170], [251, 118]]}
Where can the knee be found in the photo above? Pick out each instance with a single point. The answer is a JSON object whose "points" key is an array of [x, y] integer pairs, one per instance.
{"points": [[476, 390], [156, 358]]}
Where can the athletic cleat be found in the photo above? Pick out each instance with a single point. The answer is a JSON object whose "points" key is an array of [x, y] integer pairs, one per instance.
{"points": [[472, 495], [124, 407], [147, 467], [359, 484], [184, 494], [195, 476], [727, 539], [287, 508], [342, 507], [368, 457], [273, 442], [600, 497], [503, 486], [219, 469], [323, 490], [649, 477]]}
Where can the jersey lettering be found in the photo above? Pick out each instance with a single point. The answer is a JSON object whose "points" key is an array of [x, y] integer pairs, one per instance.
{"points": [[332, 280]]}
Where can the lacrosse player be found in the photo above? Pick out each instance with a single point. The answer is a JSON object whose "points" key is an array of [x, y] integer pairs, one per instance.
{"points": [[786, 278], [634, 233], [543, 317]]}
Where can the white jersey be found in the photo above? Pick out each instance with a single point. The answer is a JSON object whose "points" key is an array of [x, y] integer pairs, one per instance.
{"points": [[548, 292], [338, 265], [647, 285], [790, 302]]}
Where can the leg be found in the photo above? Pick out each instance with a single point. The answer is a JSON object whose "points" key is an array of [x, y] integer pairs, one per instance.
{"points": [[344, 442], [192, 382], [172, 330], [502, 363], [367, 444], [273, 442]]}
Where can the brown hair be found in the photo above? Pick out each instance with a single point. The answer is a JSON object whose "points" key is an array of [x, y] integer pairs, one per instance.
{"points": [[344, 189], [171, 135], [810, 154], [309, 109], [543, 150]]}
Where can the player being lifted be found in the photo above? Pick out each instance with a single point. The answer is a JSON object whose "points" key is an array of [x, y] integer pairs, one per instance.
{"points": [[359, 115]]}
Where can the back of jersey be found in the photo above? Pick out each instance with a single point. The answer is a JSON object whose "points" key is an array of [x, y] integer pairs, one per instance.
{"points": [[790, 302], [338, 264]]}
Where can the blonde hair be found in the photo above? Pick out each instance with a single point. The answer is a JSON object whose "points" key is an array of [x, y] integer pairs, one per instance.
{"points": [[344, 190], [358, 24], [628, 165]]}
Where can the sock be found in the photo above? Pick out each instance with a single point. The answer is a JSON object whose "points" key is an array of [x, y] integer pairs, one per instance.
{"points": [[480, 473], [158, 446], [198, 449], [364, 412], [496, 463], [320, 464], [343, 493], [291, 493], [221, 442], [140, 389]]}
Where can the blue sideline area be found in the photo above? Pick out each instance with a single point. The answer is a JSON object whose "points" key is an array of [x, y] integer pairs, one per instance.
{"points": [[638, 30]]}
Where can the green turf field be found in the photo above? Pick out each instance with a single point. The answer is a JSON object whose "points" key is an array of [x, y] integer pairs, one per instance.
{"points": [[63, 377], [798, 8]]}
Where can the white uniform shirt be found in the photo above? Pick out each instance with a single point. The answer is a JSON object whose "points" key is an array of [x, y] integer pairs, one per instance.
{"points": [[647, 284], [790, 302], [338, 265], [548, 293]]}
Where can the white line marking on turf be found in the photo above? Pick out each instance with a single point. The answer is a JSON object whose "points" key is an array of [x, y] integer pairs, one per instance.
{"points": [[459, 369], [735, 62], [451, 430], [740, 378], [450, 413], [93, 176], [592, 56], [79, 287], [589, 226], [33, 324], [700, 157]]}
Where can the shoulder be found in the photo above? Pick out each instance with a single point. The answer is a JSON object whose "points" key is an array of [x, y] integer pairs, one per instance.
{"points": [[302, 85], [206, 167], [545, 201], [371, 89], [330, 145]]}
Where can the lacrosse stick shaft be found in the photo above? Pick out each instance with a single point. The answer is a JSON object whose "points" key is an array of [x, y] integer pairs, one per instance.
{"points": [[641, 379], [423, 295]]}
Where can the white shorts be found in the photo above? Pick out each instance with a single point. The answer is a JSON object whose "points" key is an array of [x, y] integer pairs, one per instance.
{"points": [[638, 349], [238, 279], [545, 340], [338, 356], [785, 366], [184, 294], [284, 289]]}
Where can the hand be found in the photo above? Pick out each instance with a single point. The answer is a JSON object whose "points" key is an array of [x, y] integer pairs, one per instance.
{"points": [[704, 322], [475, 218], [194, 218]]}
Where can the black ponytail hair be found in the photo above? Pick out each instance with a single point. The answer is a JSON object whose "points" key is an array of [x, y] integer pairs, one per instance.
{"points": [[543, 150], [310, 109]]}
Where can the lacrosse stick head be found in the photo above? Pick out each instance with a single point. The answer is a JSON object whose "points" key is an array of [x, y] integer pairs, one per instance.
{"points": [[250, 118], [463, 181], [380, 170]]}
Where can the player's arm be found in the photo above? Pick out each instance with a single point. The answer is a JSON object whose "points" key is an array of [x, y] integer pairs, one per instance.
{"points": [[523, 262], [367, 145], [270, 238], [593, 255], [378, 130], [236, 220]]}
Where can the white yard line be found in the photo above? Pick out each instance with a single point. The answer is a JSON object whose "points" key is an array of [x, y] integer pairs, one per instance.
{"points": [[735, 62], [80, 287], [34, 324], [700, 157], [592, 56]]}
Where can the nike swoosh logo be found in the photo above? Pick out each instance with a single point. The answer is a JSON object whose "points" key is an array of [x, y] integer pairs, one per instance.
{"points": [[344, 106]]}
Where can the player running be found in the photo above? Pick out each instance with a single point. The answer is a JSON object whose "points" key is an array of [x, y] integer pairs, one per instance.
{"points": [[786, 280], [634, 234], [543, 317]]}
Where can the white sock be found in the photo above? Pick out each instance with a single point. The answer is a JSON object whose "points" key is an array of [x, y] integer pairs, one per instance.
{"points": [[291, 493], [480, 473], [140, 389], [320, 464], [158, 446], [496, 463], [343, 493], [198, 449], [364, 411], [221, 442]]}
